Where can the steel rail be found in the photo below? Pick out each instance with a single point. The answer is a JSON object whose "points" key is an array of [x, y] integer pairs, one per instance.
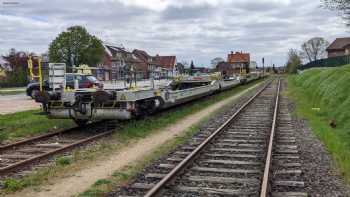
{"points": [[44, 136], [40, 137], [265, 181], [178, 168], [14, 166]]}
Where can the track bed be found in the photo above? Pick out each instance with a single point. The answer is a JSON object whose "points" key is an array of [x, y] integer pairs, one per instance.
{"points": [[241, 158]]}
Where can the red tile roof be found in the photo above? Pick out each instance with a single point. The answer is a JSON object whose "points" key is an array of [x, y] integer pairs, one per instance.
{"points": [[142, 55], [167, 62], [238, 57]]}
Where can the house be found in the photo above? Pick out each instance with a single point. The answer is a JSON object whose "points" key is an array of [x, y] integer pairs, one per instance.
{"points": [[238, 61], [340, 47], [225, 68], [116, 61], [144, 62], [165, 66]]}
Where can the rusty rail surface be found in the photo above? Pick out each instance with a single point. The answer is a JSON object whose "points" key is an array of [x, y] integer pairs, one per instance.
{"points": [[40, 137], [12, 167], [48, 154]]}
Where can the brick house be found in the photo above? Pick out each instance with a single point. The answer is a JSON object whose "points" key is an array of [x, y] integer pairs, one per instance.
{"points": [[225, 68], [340, 47], [164, 66], [235, 62], [144, 62], [117, 61], [239, 60]]}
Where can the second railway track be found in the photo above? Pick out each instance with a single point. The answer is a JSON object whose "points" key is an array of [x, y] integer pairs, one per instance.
{"points": [[251, 154], [17, 157]]}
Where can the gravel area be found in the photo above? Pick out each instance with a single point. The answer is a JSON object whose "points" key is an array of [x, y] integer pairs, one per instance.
{"points": [[16, 103], [319, 171]]}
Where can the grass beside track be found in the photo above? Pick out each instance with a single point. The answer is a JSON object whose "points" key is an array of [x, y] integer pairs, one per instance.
{"points": [[11, 91], [28, 123], [128, 132], [103, 186], [322, 96]]}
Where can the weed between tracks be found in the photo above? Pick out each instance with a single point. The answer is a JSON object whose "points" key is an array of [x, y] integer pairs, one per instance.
{"points": [[128, 132], [322, 97]]}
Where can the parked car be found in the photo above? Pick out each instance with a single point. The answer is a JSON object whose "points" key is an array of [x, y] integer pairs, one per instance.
{"points": [[85, 81]]}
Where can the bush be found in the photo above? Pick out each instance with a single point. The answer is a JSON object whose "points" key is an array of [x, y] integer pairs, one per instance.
{"points": [[12, 185], [63, 161], [17, 79]]}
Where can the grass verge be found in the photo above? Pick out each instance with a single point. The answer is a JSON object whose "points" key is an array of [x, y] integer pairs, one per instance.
{"points": [[11, 92], [121, 177], [28, 123], [322, 97], [129, 131]]}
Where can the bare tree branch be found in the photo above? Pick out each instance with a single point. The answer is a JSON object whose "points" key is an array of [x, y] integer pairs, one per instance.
{"points": [[314, 49]]}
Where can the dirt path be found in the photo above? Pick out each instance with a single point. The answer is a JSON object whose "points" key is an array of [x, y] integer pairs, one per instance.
{"points": [[82, 180]]}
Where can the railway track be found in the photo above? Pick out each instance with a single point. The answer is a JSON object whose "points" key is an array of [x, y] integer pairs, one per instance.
{"points": [[251, 154], [18, 157]]}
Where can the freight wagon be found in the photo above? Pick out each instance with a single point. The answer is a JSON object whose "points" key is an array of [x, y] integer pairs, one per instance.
{"points": [[94, 104]]}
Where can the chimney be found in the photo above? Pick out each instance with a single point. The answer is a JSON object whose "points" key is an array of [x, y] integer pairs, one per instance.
{"points": [[231, 52]]}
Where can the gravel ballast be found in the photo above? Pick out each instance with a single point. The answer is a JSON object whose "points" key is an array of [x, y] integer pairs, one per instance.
{"points": [[319, 171]]}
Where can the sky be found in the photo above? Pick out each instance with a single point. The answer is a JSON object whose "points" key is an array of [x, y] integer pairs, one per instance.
{"points": [[197, 30]]}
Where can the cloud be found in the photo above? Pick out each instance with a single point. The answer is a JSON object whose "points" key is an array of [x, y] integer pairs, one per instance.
{"points": [[196, 30]]}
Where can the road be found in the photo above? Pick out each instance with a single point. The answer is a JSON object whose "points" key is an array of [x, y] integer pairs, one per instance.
{"points": [[16, 103]]}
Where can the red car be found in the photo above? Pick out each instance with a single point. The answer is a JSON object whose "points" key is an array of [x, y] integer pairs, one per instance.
{"points": [[85, 81]]}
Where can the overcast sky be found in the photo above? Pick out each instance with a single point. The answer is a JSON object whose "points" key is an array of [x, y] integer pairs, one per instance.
{"points": [[190, 29]]}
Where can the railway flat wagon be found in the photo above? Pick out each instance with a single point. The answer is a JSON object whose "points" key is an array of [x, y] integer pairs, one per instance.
{"points": [[93, 104]]}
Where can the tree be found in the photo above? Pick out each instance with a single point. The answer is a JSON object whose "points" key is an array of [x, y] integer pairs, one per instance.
{"points": [[214, 62], [342, 6], [293, 61], [180, 68], [314, 49], [17, 75], [192, 68], [75, 47]]}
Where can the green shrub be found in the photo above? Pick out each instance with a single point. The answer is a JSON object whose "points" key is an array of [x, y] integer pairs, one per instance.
{"points": [[63, 161], [13, 185], [102, 182]]}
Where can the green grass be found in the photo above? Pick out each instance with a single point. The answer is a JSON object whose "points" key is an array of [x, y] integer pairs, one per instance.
{"points": [[28, 123], [11, 91], [127, 133], [323, 96]]}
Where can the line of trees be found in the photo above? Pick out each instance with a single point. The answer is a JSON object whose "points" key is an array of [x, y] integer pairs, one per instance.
{"points": [[311, 50], [75, 46], [315, 48]]}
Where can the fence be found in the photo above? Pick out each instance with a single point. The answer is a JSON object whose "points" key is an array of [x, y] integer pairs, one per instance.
{"points": [[328, 62]]}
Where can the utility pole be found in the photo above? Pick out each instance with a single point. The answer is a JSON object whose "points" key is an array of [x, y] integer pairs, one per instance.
{"points": [[263, 62]]}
